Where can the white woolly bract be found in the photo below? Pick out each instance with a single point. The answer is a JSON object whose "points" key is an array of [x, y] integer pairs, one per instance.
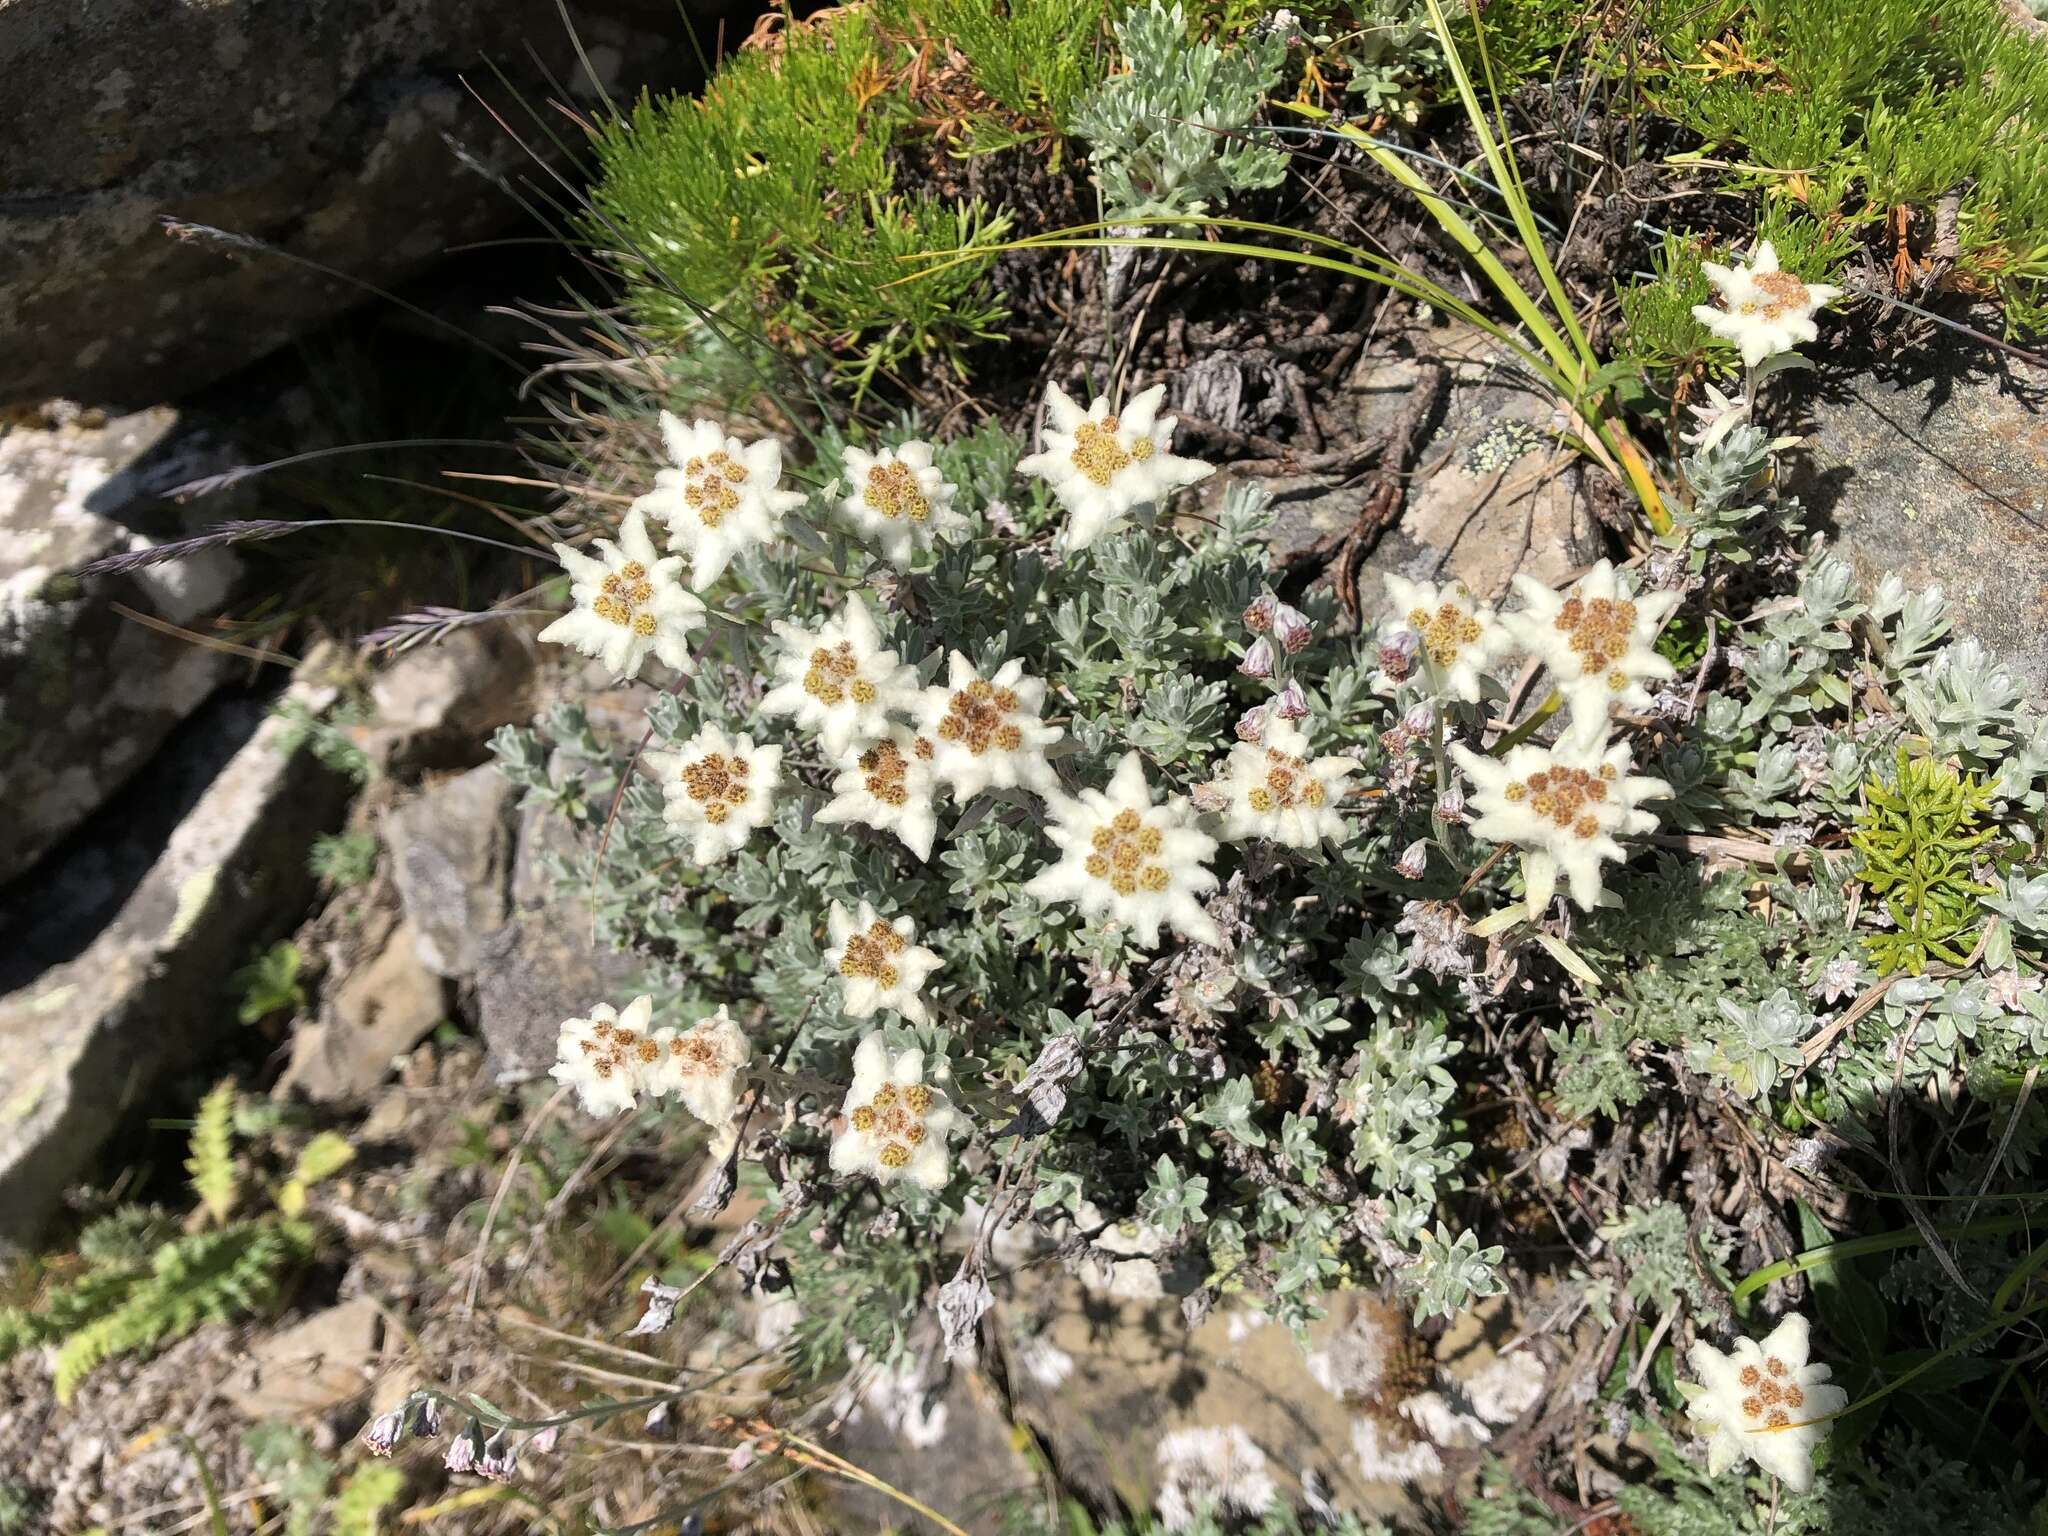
{"points": [[1563, 807], [1101, 467], [896, 1122], [838, 681], [1457, 633], [628, 602], [1598, 641], [898, 501], [1768, 311], [889, 785], [1764, 1402], [716, 790], [720, 497], [601, 1057], [1273, 790], [986, 732], [877, 964], [700, 1066], [1213, 1470]]}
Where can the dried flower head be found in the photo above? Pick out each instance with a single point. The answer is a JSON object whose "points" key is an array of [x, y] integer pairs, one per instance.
{"points": [[722, 496], [603, 1057], [986, 732], [1276, 792], [1563, 807], [1102, 466], [899, 501], [1764, 1402], [716, 790], [1123, 857], [877, 964], [1598, 640], [892, 786], [700, 1066], [1768, 311], [896, 1122], [627, 603], [838, 681], [1447, 628]]}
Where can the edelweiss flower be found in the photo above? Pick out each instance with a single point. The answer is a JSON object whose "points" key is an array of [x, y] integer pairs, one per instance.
{"points": [[1715, 419], [1274, 791], [1562, 807], [1102, 466], [1763, 1401], [890, 786], [896, 1122], [701, 1066], [1140, 864], [723, 497], [1215, 1471], [1597, 640], [878, 966], [900, 500], [602, 1057], [1768, 311], [986, 733], [838, 681], [717, 789], [1454, 630], [628, 602]]}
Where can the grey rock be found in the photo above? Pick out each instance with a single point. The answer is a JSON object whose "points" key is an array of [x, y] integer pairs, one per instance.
{"points": [[319, 1363], [451, 852], [539, 969], [344, 131], [1943, 479], [436, 705], [86, 1040], [382, 1009], [86, 695]]}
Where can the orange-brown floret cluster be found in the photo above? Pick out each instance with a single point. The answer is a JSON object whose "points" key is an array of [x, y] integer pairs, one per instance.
{"points": [[1444, 633], [1098, 455], [1565, 796], [717, 782], [867, 954], [884, 768], [1287, 784], [897, 1115], [834, 675], [1122, 848], [977, 718], [1770, 1400], [711, 485], [622, 593], [1599, 628], [615, 1049], [892, 491], [1782, 291], [696, 1050]]}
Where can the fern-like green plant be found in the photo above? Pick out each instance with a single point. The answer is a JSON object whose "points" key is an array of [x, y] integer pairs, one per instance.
{"points": [[212, 1159], [1918, 837], [369, 1491]]}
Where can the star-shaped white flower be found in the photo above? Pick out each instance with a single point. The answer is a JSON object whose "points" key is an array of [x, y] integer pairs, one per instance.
{"points": [[721, 497], [838, 681], [1456, 633], [1714, 418], [603, 1057], [986, 732], [1764, 1402], [896, 1122], [899, 501], [1273, 790], [701, 1066], [1768, 311], [1598, 641], [1563, 808], [1125, 858], [890, 786], [627, 602], [877, 964], [1101, 466], [716, 790]]}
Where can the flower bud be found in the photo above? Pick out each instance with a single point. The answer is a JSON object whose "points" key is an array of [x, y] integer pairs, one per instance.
{"points": [[1258, 661], [1292, 628], [426, 1417], [1251, 725], [543, 1441], [1418, 720], [1209, 797], [498, 1460], [1396, 742], [463, 1452], [1292, 703], [1414, 861], [381, 1434], [1258, 618], [1397, 654], [1450, 805]]}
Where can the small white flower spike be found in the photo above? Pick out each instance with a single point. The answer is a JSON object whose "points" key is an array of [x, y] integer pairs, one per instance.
{"points": [[1598, 640], [1457, 633], [1101, 466], [1764, 1402], [1563, 808], [722, 497], [1768, 311], [716, 790], [877, 965], [987, 733], [899, 501], [896, 1122], [890, 786], [701, 1066], [627, 602], [838, 681], [1123, 857], [603, 1057], [1273, 791]]}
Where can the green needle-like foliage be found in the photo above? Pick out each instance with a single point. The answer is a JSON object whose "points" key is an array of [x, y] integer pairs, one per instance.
{"points": [[1918, 838]]}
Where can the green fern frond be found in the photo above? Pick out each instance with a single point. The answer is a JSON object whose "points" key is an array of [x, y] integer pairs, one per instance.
{"points": [[212, 1163], [364, 1497], [1918, 838]]}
